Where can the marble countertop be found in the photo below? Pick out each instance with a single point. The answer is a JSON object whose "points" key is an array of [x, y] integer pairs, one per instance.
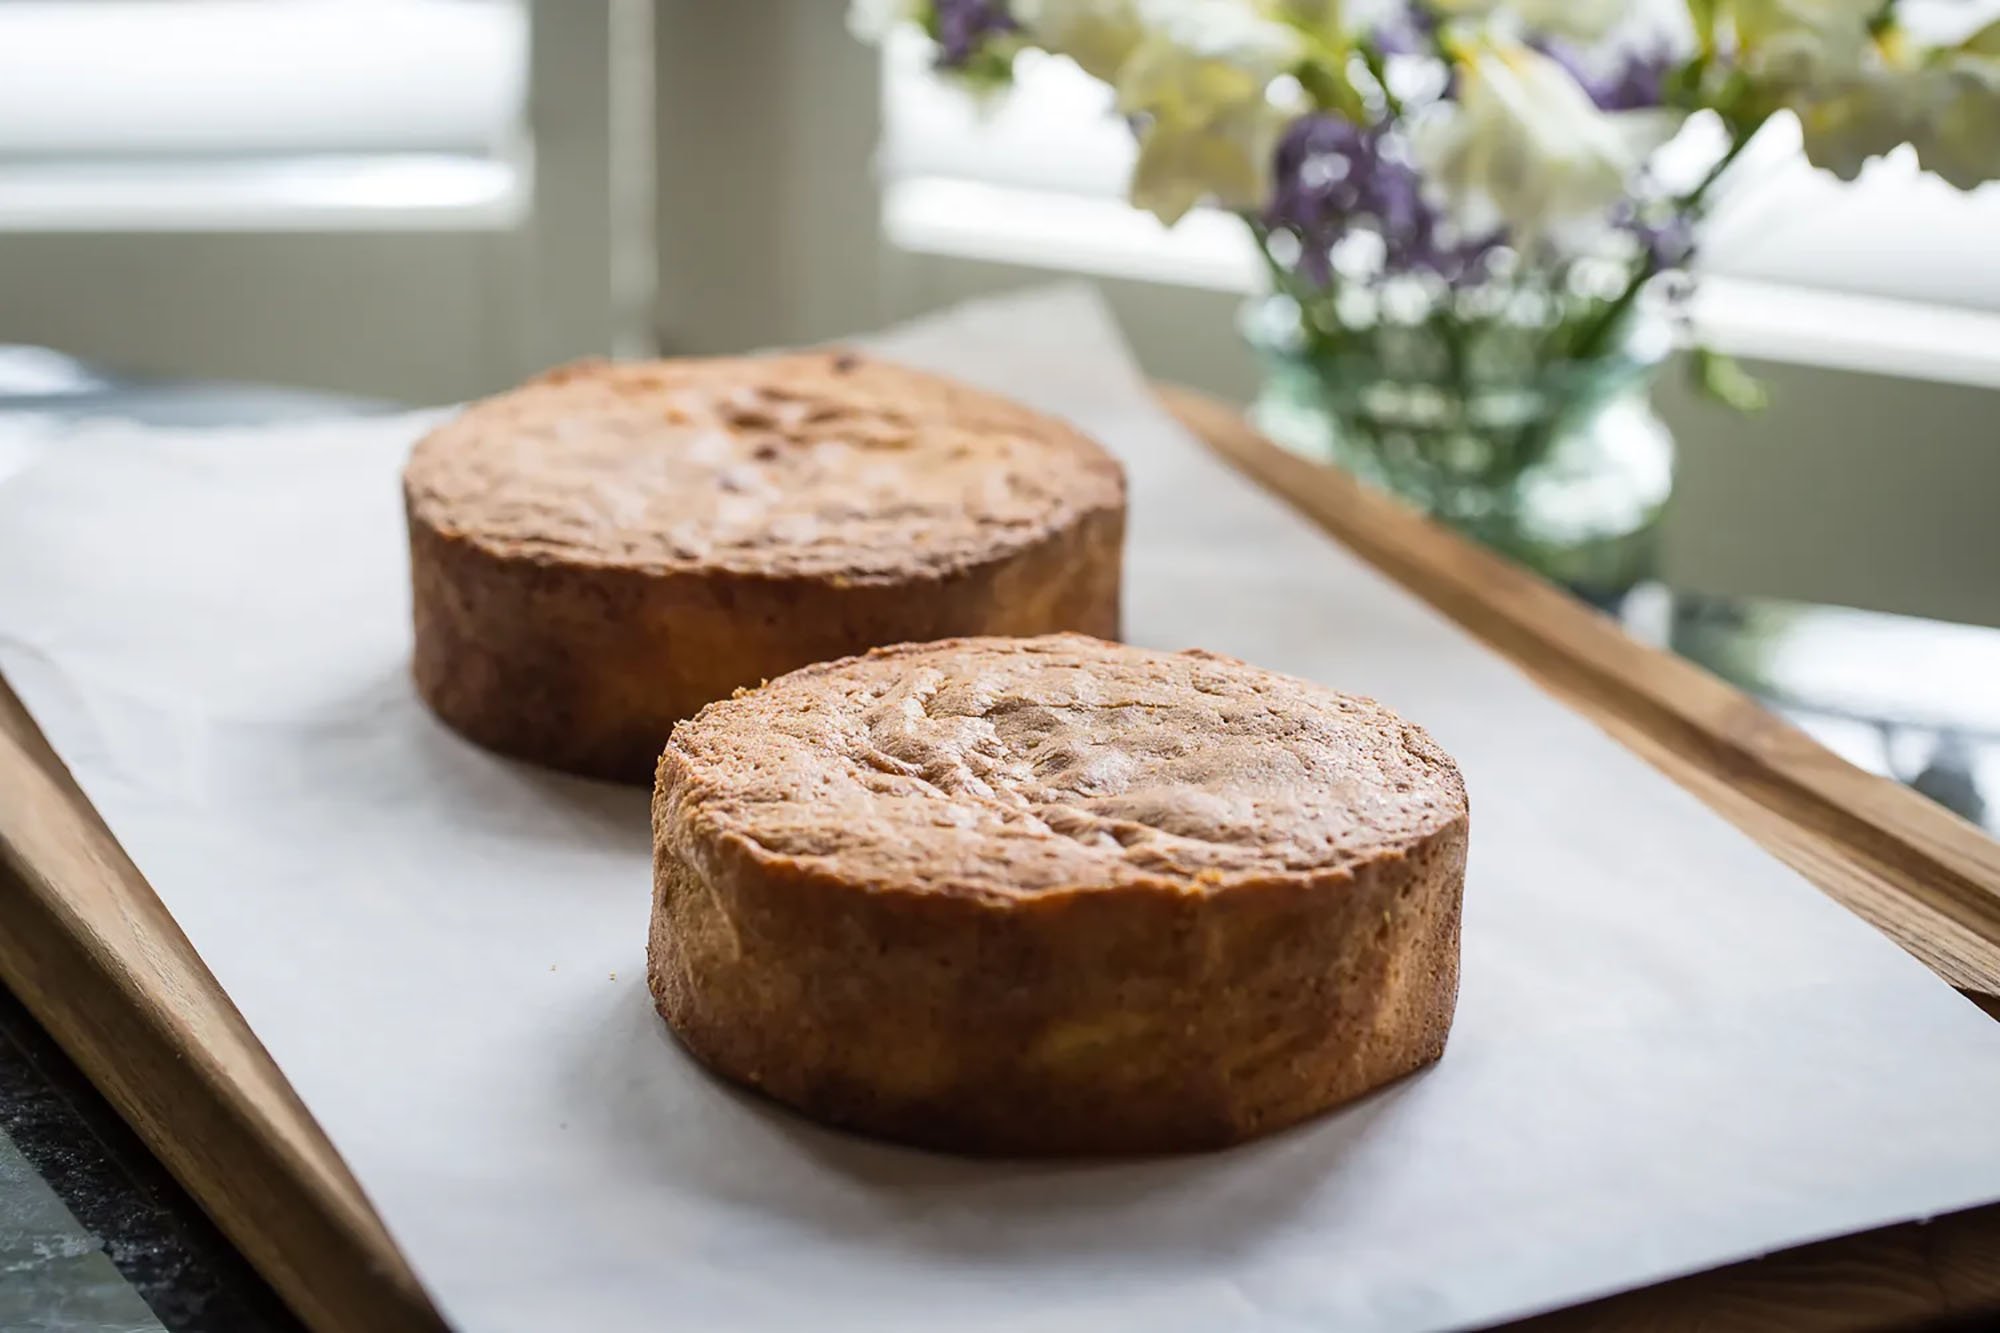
{"points": [[95, 1236]]}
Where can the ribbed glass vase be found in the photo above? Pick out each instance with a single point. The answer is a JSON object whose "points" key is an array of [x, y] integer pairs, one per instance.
{"points": [[1561, 465]]}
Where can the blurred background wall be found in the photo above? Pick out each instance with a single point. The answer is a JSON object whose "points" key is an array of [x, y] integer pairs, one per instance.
{"points": [[423, 200]]}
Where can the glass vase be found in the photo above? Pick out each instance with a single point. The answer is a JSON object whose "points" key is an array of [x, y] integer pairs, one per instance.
{"points": [[1560, 465]]}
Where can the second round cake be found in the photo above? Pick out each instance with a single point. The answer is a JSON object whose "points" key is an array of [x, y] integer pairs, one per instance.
{"points": [[1056, 895], [601, 552]]}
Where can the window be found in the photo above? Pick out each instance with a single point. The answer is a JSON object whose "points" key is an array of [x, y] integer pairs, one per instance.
{"points": [[259, 189], [261, 114]]}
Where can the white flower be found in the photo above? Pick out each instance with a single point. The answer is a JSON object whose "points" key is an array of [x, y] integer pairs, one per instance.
{"points": [[1526, 144], [1957, 128], [1098, 35], [1206, 57], [1586, 20], [1945, 105], [1865, 118], [872, 21], [1841, 24], [1330, 18], [1200, 79], [1464, 9], [1226, 160], [1802, 43]]}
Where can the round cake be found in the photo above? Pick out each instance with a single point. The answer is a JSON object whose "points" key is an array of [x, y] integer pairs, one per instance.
{"points": [[601, 552], [1056, 895]]}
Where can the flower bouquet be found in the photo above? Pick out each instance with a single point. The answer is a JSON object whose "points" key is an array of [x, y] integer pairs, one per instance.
{"points": [[1479, 217]]}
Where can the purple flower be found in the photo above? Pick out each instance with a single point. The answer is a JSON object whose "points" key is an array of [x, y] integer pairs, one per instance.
{"points": [[1332, 176], [1409, 31], [1668, 244], [964, 26], [1638, 80], [1666, 238]]}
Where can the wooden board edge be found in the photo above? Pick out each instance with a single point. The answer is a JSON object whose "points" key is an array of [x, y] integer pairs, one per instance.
{"points": [[1899, 1277], [1927, 878], [96, 958]]}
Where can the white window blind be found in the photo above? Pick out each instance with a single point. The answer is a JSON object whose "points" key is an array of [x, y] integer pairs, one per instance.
{"points": [[247, 114]]}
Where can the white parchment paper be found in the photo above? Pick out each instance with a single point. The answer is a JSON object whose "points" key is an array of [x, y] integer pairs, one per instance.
{"points": [[1671, 1052]]}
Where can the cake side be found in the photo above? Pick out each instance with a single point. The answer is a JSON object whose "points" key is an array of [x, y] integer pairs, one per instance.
{"points": [[588, 670], [1118, 1022], [1157, 1010]]}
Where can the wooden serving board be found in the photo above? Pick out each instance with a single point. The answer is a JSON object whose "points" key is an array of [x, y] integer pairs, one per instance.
{"points": [[90, 950]]}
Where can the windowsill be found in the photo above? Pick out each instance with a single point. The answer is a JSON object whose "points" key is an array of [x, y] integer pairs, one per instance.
{"points": [[374, 192], [1103, 237]]}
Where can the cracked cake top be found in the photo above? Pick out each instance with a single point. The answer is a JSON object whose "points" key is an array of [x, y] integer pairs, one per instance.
{"points": [[1008, 767], [830, 465]]}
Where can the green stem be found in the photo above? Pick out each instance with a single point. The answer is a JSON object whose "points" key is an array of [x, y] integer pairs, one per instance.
{"points": [[1328, 91], [1697, 198], [1281, 280], [1287, 284], [1597, 334], [1452, 333], [1378, 69], [1704, 16]]}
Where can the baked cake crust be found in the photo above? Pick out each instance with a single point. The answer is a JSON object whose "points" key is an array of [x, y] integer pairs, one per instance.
{"points": [[1056, 895], [599, 553]]}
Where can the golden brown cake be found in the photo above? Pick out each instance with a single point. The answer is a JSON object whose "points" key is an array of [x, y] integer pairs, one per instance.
{"points": [[1056, 895], [601, 552]]}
